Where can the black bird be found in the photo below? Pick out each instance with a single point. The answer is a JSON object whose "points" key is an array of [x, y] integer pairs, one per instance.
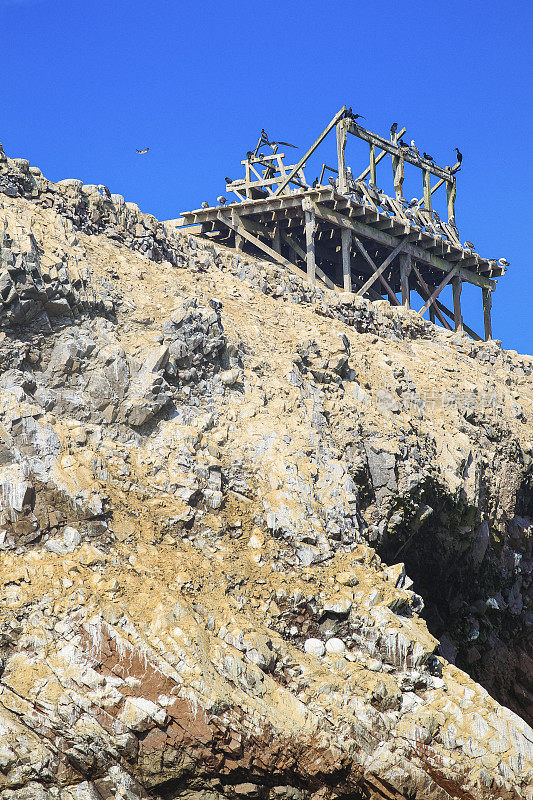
{"points": [[394, 128], [350, 115], [403, 144], [228, 180], [249, 154], [503, 262], [221, 200], [266, 140], [459, 155], [142, 152], [427, 157]]}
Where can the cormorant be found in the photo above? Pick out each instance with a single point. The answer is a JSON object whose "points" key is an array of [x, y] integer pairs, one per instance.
{"points": [[459, 155], [221, 200]]}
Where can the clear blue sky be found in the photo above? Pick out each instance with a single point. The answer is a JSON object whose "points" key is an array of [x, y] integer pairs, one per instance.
{"points": [[85, 83]]}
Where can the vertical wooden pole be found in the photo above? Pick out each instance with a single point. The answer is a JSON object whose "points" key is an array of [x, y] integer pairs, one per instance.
{"points": [[346, 246], [341, 157], [247, 179], [239, 243], [487, 305], [432, 314], [398, 176], [451, 191], [405, 270], [276, 242], [373, 164], [310, 226], [457, 286], [427, 189]]}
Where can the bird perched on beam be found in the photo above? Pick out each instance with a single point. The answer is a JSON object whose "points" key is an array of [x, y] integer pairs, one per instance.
{"points": [[403, 144], [470, 245], [350, 115], [228, 180], [414, 148], [427, 157], [393, 128], [459, 155], [143, 151], [221, 200], [503, 262], [205, 204]]}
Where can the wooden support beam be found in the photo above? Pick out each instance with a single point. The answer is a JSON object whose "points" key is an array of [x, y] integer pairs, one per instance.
{"points": [[293, 244], [338, 116], [386, 239], [431, 299], [457, 286], [239, 242], [426, 291], [341, 135], [398, 175], [441, 180], [310, 227], [381, 155], [276, 241], [487, 305], [346, 246], [427, 189], [405, 271], [373, 163], [362, 250], [451, 191], [450, 314], [382, 268]]}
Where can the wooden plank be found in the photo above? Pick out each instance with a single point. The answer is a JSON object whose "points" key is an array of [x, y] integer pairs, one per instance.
{"points": [[362, 250], [457, 286], [441, 180], [427, 292], [381, 269], [431, 299], [427, 189], [362, 229], [338, 116], [380, 156], [310, 227], [291, 241], [373, 163], [346, 246], [451, 191], [341, 135], [405, 271], [393, 149], [487, 305]]}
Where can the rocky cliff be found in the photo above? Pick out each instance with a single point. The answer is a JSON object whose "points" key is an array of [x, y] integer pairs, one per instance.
{"points": [[258, 540]]}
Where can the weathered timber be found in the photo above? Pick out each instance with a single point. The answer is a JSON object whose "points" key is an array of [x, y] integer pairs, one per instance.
{"points": [[487, 306], [373, 278], [431, 299], [405, 271], [380, 156], [457, 286], [425, 291], [364, 253], [310, 227], [346, 246]]}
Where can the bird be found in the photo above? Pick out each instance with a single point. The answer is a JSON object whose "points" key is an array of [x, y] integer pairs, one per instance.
{"points": [[205, 204], [394, 128], [459, 155], [470, 245], [414, 148], [228, 180], [249, 154], [427, 157], [402, 143], [503, 262], [221, 200], [436, 216], [350, 115], [104, 190], [143, 151], [266, 140], [331, 181]]}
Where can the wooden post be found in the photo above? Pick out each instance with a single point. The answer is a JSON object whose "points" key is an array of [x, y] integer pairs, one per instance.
{"points": [[398, 175], [487, 305], [248, 178], [276, 242], [310, 226], [432, 314], [239, 243], [457, 286], [373, 163], [346, 246], [427, 189], [451, 191], [341, 157], [405, 270]]}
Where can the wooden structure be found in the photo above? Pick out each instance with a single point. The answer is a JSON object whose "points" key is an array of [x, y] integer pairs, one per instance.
{"points": [[349, 235]]}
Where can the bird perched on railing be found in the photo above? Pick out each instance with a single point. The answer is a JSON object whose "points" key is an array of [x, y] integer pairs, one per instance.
{"points": [[414, 148], [470, 245], [228, 180], [393, 128], [503, 262], [427, 157], [403, 144], [221, 200], [205, 204], [459, 155]]}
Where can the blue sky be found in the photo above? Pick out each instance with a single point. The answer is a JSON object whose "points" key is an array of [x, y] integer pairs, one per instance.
{"points": [[85, 83]]}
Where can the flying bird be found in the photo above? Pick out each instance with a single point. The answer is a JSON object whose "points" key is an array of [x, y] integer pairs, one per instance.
{"points": [[503, 262], [205, 204], [221, 200], [427, 157], [142, 152], [394, 128], [459, 155]]}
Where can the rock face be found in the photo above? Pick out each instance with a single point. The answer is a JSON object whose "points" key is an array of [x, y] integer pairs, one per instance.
{"points": [[259, 540]]}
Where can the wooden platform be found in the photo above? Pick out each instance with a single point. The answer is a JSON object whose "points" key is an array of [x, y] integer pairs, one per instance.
{"points": [[350, 235]]}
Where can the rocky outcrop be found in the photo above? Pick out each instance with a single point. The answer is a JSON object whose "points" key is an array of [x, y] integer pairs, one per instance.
{"points": [[258, 540]]}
